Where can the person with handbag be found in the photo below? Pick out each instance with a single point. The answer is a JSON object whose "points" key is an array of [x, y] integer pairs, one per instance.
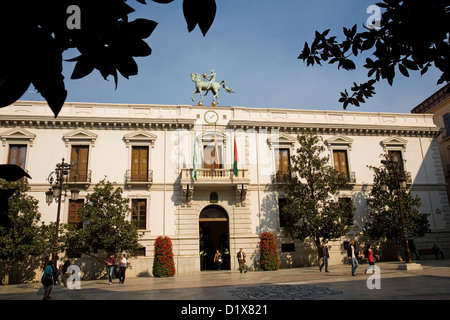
{"points": [[218, 260], [122, 268], [47, 280]]}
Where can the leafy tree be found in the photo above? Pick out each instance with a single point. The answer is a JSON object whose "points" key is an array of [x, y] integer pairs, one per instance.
{"points": [[105, 225], [384, 214], [24, 237], [311, 210], [99, 30], [412, 35]]}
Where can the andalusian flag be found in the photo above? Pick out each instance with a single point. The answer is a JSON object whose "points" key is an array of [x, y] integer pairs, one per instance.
{"points": [[236, 159], [194, 160]]}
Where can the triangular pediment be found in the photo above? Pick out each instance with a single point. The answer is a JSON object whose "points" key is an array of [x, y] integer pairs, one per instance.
{"points": [[339, 140], [78, 135], [394, 141], [17, 134], [140, 136], [281, 139]]}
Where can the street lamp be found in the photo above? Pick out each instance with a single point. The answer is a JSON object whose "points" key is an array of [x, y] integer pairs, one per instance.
{"points": [[58, 184], [398, 186]]}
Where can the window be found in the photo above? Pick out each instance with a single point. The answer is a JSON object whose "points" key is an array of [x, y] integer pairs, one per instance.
{"points": [[210, 160], [282, 162], [397, 156], [79, 160], [139, 213], [447, 124], [281, 204], [139, 163], [74, 219], [340, 161], [349, 216], [17, 155]]}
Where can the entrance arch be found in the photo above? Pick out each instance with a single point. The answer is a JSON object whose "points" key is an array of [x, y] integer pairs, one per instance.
{"points": [[214, 235]]}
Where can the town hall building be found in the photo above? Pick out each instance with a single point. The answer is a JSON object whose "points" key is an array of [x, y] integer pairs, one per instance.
{"points": [[176, 165]]}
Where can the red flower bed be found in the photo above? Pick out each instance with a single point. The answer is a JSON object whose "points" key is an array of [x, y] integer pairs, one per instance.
{"points": [[163, 263], [268, 256]]}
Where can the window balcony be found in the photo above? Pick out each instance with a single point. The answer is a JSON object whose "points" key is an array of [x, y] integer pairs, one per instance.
{"points": [[80, 178], [138, 178]]}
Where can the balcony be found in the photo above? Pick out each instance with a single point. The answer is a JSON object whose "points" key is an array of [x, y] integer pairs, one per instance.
{"points": [[80, 178], [214, 177], [138, 178]]}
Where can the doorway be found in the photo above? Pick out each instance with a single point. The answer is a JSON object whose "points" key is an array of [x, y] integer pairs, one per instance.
{"points": [[214, 235]]}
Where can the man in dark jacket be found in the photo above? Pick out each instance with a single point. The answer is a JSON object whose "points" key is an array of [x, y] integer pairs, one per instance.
{"points": [[64, 274], [324, 255]]}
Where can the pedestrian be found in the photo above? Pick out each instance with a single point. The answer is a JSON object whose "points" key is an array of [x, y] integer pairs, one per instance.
{"points": [[64, 274], [369, 255], [226, 259], [202, 260], [110, 266], [353, 256], [413, 249], [57, 273], [324, 255], [47, 280], [241, 261], [122, 268], [437, 252], [218, 260]]}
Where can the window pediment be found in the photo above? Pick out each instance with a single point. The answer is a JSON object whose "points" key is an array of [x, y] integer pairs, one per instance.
{"points": [[339, 140], [281, 140], [141, 137], [18, 134], [394, 142], [79, 135]]}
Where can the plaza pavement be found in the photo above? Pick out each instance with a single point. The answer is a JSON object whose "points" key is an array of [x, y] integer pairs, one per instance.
{"points": [[307, 283]]}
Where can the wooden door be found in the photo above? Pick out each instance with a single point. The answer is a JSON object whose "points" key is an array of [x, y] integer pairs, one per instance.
{"points": [[139, 164]]}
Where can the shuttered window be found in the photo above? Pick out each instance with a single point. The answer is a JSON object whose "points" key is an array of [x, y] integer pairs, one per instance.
{"points": [[139, 213], [79, 160], [139, 163], [340, 161]]}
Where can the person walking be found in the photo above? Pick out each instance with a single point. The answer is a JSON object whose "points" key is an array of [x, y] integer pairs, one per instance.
{"points": [[226, 259], [324, 255], [122, 268], [110, 265], [64, 274], [218, 260], [47, 280], [241, 261], [369, 255], [353, 255]]}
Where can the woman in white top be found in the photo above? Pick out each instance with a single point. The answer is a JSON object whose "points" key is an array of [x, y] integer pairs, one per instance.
{"points": [[122, 268]]}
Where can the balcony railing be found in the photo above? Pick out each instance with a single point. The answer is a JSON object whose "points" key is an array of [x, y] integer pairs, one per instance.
{"points": [[80, 178], [215, 176], [138, 178]]}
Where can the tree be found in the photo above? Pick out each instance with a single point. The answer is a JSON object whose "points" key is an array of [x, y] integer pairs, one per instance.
{"points": [[99, 30], [24, 237], [384, 214], [412, 35], [105, 225], [311, 210]]}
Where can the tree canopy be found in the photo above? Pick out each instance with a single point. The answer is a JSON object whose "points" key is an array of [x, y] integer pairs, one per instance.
{"points": [[411, 36], [34, 35]]}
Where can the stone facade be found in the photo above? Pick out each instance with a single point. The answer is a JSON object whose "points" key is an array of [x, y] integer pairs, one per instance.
{"points": [[247, 204]]}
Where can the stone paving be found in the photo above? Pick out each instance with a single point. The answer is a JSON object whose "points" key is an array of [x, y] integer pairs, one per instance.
{"points": [[430, 283]]}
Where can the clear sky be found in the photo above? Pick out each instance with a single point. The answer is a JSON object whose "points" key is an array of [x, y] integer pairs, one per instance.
{"points": [[253, 45]]}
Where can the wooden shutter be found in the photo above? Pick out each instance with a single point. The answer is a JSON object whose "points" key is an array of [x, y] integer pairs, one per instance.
{"points": [[340, 161], [74, 218], [79, 159], [139, 164], [282, 163], [139, 210], [17, 155]]}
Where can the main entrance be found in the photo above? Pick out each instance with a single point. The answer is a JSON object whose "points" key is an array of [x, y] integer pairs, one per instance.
{"points": [[214, 235]]}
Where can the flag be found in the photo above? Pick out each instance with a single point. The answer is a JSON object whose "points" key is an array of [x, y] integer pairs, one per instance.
{"points": [[216, 150], [236, 159], [194, 160]]}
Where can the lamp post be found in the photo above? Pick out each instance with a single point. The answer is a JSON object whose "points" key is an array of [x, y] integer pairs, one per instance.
{"points": [[398, 186], [58, 184]]}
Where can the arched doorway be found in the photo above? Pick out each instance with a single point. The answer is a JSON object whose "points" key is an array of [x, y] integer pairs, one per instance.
{"points": [[214, 235]]}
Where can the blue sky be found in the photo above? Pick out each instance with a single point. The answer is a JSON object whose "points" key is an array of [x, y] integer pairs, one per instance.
{"points": [[253, 45]]}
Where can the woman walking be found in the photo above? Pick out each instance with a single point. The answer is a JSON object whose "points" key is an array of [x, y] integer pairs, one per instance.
{"points": [[122, 268]]}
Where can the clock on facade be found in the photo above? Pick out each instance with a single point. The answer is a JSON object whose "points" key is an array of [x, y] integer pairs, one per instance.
{"points": [[211, 116]]}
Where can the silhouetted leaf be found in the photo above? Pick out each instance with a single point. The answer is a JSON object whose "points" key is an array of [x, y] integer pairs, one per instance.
{"points": [[12, 172]]}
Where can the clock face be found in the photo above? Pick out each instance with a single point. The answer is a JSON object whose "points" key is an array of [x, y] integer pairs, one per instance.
{"points": [[211, 116]]}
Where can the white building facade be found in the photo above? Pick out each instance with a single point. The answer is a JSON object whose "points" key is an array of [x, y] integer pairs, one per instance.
{"points": [[154, 151]]}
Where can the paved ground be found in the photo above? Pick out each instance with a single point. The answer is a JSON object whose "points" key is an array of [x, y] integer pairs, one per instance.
{"points": [[431, 283]]}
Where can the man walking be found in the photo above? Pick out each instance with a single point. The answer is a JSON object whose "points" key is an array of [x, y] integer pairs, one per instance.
{"points": [[353, 255], [241, 261], [323, 253]]}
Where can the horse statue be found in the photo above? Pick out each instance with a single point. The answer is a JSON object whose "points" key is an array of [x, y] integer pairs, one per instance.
{"points": [[207, 86]]}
